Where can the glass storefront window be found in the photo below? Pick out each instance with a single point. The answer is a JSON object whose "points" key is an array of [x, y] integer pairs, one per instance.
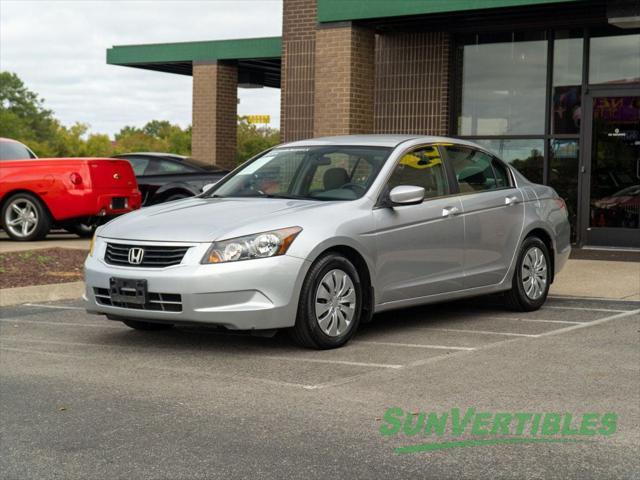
{"points": [[567, 82], [614, 59], [563, 176], [527, 156], [502, 84]]}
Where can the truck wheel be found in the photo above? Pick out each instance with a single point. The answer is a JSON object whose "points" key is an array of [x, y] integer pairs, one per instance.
{"points": [[25, 218], [330, 304]]}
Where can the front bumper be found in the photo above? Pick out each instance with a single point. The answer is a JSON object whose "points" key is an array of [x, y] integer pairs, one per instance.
{"points": [[245, 295]]}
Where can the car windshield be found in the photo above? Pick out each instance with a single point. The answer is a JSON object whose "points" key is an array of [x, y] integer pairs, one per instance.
{"points": [[311, 173]]}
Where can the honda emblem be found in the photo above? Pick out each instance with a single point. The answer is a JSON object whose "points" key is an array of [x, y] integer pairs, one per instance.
{"points": [[136, 255]]}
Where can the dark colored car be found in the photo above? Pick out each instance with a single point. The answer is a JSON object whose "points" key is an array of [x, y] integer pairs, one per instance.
{"points": [[164, 177]]}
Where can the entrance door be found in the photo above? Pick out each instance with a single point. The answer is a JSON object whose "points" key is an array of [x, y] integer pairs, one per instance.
{"points": [[611, 199]]}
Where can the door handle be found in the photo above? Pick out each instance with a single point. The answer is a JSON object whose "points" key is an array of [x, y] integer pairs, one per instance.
{"points": [[512, 200], [450, 211]]}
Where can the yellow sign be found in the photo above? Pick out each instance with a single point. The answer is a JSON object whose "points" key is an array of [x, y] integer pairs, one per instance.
{"points": [[258, 118]]}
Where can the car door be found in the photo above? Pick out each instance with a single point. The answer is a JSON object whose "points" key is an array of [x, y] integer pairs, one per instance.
{"points": [[493, 214], [420, 247]]}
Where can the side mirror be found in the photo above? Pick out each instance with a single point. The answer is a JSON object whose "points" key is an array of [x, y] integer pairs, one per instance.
{"points": [[406, 195], [208, 186]]}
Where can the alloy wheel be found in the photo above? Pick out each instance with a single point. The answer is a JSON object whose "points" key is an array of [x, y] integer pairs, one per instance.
{"points": [[21, 217]]}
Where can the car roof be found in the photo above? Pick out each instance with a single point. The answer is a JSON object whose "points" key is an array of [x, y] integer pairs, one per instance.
{"points": [[374, 140], [4, 139]]}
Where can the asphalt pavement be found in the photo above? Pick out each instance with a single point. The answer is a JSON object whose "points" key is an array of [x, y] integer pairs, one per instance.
{"points": [[84, 397]]}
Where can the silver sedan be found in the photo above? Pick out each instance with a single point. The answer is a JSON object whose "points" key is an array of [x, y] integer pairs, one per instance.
{"points": [[318, 235]]}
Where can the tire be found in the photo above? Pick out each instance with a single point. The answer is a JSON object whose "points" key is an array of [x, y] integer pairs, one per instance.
{"points": [[147, 326], [529, 295], [26, 208], [83, 229], [333, 281]]}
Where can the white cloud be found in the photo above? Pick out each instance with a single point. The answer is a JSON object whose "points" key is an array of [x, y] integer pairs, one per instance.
{"points": [[58, 48]]}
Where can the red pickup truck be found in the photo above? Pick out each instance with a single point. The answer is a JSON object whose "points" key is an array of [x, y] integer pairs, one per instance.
{"points": [[36, 194]]}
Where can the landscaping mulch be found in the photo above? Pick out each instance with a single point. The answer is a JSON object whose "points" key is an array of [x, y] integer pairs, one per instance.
{"points": [[41, 267]]}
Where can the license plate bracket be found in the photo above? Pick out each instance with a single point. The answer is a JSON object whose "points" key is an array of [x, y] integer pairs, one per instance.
{"points": [[127, 290]]}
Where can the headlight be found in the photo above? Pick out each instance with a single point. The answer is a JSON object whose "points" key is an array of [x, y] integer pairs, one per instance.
{"points": [[260, 245]]}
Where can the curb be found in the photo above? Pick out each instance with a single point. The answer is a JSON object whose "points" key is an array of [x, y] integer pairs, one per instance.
{"points": [[41, 293]]}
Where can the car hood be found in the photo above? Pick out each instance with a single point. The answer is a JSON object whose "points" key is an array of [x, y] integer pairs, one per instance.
{"points": [[199, 219]]}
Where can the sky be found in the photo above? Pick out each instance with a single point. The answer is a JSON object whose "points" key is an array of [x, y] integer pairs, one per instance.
{"points": [[58, 48]]}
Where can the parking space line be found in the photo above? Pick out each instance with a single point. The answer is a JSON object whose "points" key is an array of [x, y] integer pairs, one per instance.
{"points": [[481, 332], [40, 352], [64, 324], [590, 324], [414, 345], [339, 362], [585, 308], [595, 299], [547, 321], [57, 307]]}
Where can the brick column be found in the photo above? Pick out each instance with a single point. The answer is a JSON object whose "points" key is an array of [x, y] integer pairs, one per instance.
{"points": [[215, 107], [344, 86], [297, 83]]}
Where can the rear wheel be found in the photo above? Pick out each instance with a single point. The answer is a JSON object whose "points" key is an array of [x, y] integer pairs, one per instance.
{"points": [[330, 304], [176, 196], [531, 280], [25, 218], [147, 326]]}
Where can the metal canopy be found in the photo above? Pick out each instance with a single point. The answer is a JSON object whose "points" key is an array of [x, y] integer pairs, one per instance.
{"points": [[258, 59]]}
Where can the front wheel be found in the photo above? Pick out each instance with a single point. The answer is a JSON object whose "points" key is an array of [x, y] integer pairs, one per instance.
{"points": [[25, 218], [330, 304], [531, 280]]}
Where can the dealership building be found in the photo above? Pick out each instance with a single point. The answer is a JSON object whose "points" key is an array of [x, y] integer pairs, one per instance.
{"points": [[551, 86]]}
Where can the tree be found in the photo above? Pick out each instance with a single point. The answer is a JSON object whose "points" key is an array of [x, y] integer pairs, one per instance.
{"points": [[22, 112], [253, 140]]}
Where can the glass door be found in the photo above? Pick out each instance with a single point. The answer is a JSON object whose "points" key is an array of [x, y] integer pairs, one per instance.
{"points": [[611, 199]]}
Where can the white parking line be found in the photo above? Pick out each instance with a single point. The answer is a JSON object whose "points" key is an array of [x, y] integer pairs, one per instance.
{"points": [[339, 362], [481, 332], [414, 345], [589, 324], [40, 352], [547, 321], [596, 299], [64, 324], [584, 308], [57, 307]]}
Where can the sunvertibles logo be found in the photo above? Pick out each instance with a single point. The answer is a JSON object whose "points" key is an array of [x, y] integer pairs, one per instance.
{"points": [[469, 428]]}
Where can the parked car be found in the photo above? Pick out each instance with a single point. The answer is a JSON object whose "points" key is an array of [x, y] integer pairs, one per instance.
{"points": [[315, 236], [164, 177], [73, 193]]}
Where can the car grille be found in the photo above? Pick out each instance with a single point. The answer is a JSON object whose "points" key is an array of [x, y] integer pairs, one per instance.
{"points": [[160, 302], [154, 256]]}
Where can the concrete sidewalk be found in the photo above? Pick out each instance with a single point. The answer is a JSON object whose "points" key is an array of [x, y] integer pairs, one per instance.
{"points": [[599, 279], [53, 240]]}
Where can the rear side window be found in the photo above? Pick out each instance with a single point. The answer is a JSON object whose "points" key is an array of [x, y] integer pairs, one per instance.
{"points": [[473, 169], [421, 168], [139, 164], [14, 151], [164, 167]]}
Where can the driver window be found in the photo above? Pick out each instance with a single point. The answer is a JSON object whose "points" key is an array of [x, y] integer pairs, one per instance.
{"points": [[421, 168]]}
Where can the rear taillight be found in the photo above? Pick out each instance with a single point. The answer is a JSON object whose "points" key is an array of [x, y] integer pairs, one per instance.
{"points": [[75, 178]]}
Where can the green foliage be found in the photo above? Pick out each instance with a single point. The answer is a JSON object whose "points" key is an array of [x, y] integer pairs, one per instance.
{"points": [[23, 117], [253, 140]]}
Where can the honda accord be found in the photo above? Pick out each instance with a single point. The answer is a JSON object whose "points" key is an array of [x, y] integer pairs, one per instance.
{"points": [[316, 236]]}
